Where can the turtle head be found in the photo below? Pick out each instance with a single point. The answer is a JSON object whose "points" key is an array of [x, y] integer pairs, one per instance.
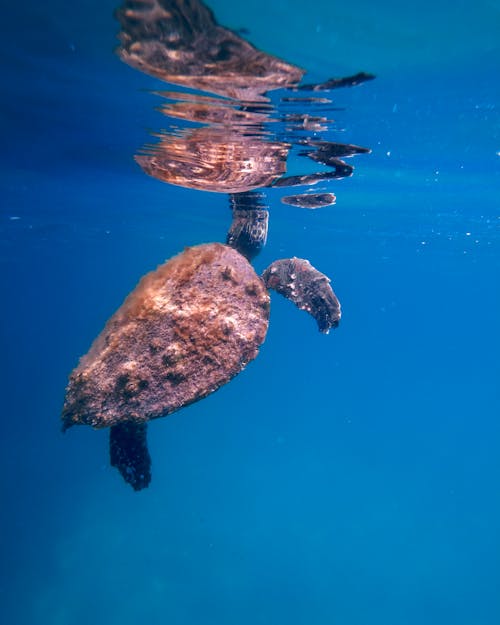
{"points": [[248, 231]]}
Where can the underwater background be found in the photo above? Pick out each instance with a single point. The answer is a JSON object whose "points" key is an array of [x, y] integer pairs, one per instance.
{"points": [[347, 479]]}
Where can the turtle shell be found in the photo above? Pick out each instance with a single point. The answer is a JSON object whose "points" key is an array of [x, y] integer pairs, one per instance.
{"points": [[186, 329]]}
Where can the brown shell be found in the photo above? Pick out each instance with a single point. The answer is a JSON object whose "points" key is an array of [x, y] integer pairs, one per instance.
{"points": [[186, 329]]}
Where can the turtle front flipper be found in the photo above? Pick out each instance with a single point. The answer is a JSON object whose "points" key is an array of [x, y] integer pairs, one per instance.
{"points": [[307, 288], [128, 452]]}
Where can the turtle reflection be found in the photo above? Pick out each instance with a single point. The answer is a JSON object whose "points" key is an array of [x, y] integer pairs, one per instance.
{"points": [[245, 141], [180, 42]]}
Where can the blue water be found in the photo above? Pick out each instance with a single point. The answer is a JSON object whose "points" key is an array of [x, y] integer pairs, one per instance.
{"points": [[347, 479]]}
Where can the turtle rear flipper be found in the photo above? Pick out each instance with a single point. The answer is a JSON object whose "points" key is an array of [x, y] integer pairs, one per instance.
{"points": [[128, 452], [307, 288]]}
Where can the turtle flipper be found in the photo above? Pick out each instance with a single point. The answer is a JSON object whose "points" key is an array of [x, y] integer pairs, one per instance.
{"points": [[307, 288], [248, 231], [128, 452]]}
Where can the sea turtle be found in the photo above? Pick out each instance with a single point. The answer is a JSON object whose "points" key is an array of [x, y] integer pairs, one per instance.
{"points": [[187, 328], [196, 321]]}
